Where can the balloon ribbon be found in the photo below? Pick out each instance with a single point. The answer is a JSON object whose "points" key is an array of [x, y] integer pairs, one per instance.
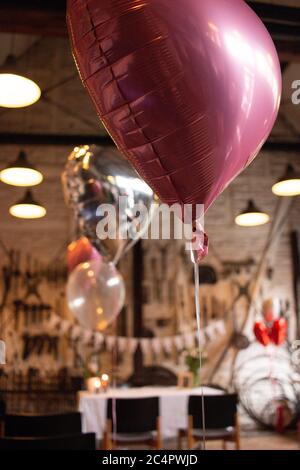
{"points": [[199, 249]]}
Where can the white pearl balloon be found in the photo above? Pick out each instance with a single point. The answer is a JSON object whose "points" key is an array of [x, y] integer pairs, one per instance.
{"points": [[95, 294]]}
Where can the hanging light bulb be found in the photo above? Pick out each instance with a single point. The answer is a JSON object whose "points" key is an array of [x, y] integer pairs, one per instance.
{"points": [[252, 216], [21, 173], [27, 208], [288, 184], [16, 91]]}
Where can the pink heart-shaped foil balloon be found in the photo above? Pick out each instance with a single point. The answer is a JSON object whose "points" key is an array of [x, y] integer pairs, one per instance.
{"points": [[189, 90]]}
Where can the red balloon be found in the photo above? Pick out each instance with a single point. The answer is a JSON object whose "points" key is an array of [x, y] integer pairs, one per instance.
{"points": [[188, 90], [279, 331], [81, 251], [261, 333]]}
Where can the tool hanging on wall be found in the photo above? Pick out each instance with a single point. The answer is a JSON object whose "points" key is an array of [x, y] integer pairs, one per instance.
{"points": [[25, 281], [40, 344]]}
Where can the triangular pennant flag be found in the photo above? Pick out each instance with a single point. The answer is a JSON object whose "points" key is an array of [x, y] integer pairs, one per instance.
{"points": [[98, 340], [201, 337], [156, 345], [110, 342], [189, 340], [132, 344], [145, 345], [210, 332], [220, 327], [75, 332], [2, 352], [179, 343], [167, 344], [122, 343], [54, 321], [65, 325], [87, 336]]}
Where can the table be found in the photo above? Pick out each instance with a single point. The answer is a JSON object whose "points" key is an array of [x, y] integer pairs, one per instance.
{"points": [[173, 403]]}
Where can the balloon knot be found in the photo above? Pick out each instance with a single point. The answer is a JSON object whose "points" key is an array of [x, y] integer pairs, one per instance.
{"points": [[199, 244]]}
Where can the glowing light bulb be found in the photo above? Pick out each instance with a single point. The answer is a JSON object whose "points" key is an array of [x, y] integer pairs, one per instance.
{"points": [[288, 185], [21, 173], [17, 91], [27, 211], [252, 217], [27, 208]]}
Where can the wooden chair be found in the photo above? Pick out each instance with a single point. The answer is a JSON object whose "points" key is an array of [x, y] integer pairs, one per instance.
{"points": [[69, 442], [137, 422], [42, 425], [221, 420]]}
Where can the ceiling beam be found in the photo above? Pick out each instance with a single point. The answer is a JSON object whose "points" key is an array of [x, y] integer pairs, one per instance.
{"points": [[47, 18], [288, 51], [280, 13], [282, 146], [7, 138], [57, 140], [36, 17]]}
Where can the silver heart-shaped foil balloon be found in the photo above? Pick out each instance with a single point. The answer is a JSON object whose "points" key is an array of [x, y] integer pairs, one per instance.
{"points": [[94, 176]]}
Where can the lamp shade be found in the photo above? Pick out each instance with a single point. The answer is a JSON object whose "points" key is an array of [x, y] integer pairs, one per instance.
{"points": [[21, 173], [16, 90], [288, 184], [27, 208], [252, 216]]}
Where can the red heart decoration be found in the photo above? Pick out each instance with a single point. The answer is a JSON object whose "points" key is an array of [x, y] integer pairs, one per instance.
{"points": [[262, 333], [276, 333], [189, 90], [279, 331]]}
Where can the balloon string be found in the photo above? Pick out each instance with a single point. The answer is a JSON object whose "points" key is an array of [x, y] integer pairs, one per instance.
{"points": [[122, 251], [198, 317], [114, 400]]}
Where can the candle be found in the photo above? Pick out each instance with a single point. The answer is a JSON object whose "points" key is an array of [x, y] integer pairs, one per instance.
{"points": [[104, 382], [97, 384], [93, 384]]}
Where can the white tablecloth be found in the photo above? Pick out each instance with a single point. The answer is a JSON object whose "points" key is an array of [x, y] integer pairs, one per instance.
{"points": [[173, 403]]}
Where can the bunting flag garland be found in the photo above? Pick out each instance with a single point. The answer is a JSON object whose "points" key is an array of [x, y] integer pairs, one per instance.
{"points": [[167, 344], [132, 344], [76, 332], [189, 340], [201, 341], [111, 342], [145, 346], [179, 343], [87, 337], [156, 345], [98, 340], [65, 326], [122, 344]]}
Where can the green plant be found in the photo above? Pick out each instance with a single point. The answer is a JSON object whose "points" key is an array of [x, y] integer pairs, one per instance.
{"points": [[193, 363]]}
